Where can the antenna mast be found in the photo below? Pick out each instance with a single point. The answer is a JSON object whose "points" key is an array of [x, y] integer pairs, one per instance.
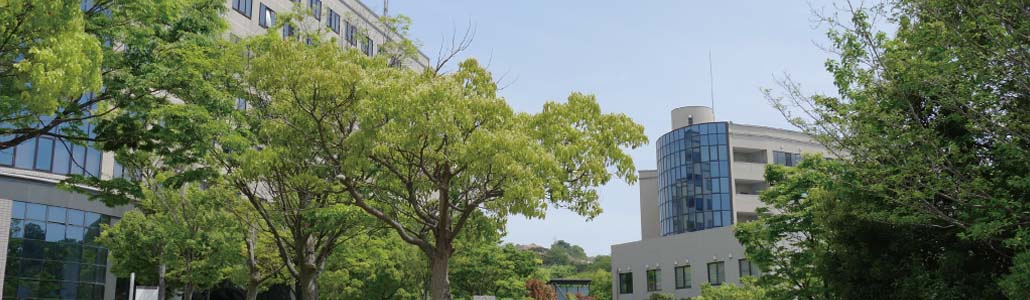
{"points": [[386, 7], [711, 80]]}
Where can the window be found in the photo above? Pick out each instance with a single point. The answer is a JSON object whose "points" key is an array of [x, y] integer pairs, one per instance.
{"points": [[625, 283], [747, 268], [48, 257], [716, 273], [683, 277], [334, 21], [368, 46], [350, 33], [316, 9], [786, 158], [266, 17], [244, 7], [288, 31], [654, 280]]}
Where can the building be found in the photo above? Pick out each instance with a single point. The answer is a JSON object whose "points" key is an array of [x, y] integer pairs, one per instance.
{"points": [[48, 234], [707, 179], [570, 289]]}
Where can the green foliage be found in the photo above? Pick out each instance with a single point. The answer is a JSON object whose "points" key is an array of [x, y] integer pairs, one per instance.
{"points": [[748, 290], [934, 123], [148, 50], [188, 230], [379, 266], [660, 296], [562, 253], [492, 269]]}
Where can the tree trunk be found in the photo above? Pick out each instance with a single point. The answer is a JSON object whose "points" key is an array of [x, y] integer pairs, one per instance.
{"points": [[252, 288], [162, 287], [439, 284], [187, 293], [307, 284]]}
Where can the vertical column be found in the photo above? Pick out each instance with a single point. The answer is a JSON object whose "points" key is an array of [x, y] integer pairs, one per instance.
{"points": [[5, 236]]}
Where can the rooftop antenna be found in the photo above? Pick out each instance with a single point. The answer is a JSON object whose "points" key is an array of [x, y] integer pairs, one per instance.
{"points": [[386, 7], [711, 80]]}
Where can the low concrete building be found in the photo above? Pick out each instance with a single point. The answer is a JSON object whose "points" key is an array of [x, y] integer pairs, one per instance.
{"points": [[708, 178]]}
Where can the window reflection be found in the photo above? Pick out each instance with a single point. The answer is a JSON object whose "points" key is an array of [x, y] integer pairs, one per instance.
{"points": [[693, 167], [52, 253]]}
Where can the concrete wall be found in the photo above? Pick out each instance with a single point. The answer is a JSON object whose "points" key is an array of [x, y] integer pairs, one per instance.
{"points": [[696, 249], [649, 228]]}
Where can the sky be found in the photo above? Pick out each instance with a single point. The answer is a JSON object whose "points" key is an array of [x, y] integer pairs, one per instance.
{"points": [[640, 58]]}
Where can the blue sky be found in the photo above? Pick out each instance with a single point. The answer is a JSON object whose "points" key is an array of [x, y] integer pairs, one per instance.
{"points": [[640, 58]]}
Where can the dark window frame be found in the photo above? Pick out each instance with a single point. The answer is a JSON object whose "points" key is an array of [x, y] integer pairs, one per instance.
{"points": [[654, 280], [244, 7], [684, 280], [720, 273], [266, 17], [626, 283]]}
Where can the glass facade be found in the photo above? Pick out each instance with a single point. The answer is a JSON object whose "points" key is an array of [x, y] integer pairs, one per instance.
{"points": [[694, 178], [52, 253], [55, 155]]}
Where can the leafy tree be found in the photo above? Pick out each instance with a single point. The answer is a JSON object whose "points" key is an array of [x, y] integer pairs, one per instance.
{"points": [[748, 290], [446, 149], [788, 239], [377, 266], [261, 266], [563, 253], [435, 151], [600, 283], [934, 123], [661, 296], [492, 269], [66, 63], [275, 169], [183, 234]]}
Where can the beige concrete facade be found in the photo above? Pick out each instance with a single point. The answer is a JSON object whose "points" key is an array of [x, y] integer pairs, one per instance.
{"points": [[752, 148]]}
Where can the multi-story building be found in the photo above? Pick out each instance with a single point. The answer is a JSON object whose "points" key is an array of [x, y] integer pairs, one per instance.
{"points": [[707, 179], [48, 234]]}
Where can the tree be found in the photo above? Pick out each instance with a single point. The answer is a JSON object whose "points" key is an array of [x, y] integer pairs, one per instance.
{"points": [[492, 269], [183, 234], [378, 266], [439, 150], [748, 290], [933, 121], [285, 180], [788, 239], [261, 266], [92, 70]]}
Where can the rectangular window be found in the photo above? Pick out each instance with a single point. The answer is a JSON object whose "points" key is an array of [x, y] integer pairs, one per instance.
{"points": [[625, 283], [24, 154], [368, 46], [747, 268], [244, 7], [316, 9], [683, 277], [786, 158], [716, 273], [7, 155], [334, 21], [266, 17], [654, 280], [287, 31], [62, 157], [350, 33], [44, 153]]}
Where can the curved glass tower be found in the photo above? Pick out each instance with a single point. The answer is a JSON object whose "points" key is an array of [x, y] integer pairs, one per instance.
{"points": [[694, 178]]}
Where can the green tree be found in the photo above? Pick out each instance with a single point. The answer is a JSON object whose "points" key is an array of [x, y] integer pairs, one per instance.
{"points": [[183, 234], [748, 290], [378, 266], [278, 172], [69, 66], [439, 149], [492, 269], [933, 121], [788, 239]]}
